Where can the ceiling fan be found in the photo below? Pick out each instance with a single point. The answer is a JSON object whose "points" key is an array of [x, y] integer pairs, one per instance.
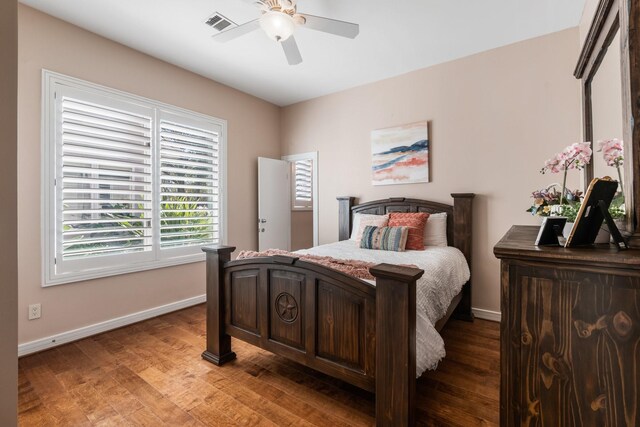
{"points": [[279, 21]]}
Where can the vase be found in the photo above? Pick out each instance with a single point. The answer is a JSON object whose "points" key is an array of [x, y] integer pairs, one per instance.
{"points": [[555, 210], [603, 235]]}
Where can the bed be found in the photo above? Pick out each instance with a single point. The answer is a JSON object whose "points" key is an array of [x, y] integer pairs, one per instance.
{"points": [[360, 332]]}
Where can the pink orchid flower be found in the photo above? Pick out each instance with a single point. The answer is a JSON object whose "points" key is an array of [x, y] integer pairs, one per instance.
{"points": [[612, 151], [575, 156], [613, 154]]}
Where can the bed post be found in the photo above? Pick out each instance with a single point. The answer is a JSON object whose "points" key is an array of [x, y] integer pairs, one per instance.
{"points": [[395, 344], [344, 217], [462, 226], [218, 342]]}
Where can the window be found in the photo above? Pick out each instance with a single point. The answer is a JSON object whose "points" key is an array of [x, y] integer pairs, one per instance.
{"points": [[302, 189], [129, 184]]}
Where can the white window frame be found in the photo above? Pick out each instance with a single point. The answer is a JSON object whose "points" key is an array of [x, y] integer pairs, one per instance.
{"points": [[159, 258], [294, 185], [313, 156]]}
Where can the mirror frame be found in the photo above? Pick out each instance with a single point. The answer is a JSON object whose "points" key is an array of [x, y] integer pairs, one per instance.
{"points": [[613, 16]]}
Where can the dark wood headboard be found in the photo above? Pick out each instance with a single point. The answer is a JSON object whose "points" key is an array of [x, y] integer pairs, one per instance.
{"points": [[459, 223]]}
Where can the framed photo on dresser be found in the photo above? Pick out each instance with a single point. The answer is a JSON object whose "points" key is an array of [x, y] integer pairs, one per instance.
{"points": [[593, 212], [551, 229]]}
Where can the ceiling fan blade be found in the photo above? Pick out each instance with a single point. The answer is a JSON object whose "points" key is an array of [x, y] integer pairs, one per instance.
{"points": [[291, 51], [238, 31], [256, 3], [331, 26]]}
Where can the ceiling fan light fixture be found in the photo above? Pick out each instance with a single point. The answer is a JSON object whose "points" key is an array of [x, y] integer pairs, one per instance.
{"points": [[277, 25]]}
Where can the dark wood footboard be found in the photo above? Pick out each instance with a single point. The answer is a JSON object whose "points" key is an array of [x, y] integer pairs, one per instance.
{"points": [[321, 318]]}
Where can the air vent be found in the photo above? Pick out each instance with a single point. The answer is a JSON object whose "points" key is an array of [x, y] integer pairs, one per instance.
{"points": [[219, 22]]}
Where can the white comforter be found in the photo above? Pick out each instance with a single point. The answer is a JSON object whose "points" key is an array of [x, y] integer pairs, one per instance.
{"points": [[445, 271]]}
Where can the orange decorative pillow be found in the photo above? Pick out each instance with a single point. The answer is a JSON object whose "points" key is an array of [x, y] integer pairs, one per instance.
{"points": [[416, 223]]}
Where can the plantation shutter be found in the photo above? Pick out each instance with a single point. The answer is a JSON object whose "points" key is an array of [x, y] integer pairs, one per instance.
{"points": [[189, 183], [302, 187], [103, 180], [128, 183]]}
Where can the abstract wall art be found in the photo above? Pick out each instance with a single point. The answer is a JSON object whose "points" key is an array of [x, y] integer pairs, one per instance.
{"points": [[400, 155]]}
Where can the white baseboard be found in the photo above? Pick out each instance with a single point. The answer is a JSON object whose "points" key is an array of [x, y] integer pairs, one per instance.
{"points": [[480, 313], [87, 331]]}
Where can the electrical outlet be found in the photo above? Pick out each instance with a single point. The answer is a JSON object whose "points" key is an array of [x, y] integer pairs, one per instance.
{"points": [[35, 310]]}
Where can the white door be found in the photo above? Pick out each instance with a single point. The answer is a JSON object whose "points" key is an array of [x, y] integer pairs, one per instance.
{"points": [[274, 204]]}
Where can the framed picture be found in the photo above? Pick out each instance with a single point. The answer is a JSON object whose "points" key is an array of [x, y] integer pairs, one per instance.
{"points": [[593, 212], [550, 233], [400, 155]]}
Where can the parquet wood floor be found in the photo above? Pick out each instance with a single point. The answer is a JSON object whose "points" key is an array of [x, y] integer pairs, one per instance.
{"points": [[151, 373]]}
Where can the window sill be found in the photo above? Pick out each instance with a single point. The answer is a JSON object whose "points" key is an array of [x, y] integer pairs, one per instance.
{"points": [[62, 279]]}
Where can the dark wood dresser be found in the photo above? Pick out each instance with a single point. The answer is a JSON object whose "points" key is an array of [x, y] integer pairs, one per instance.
{"points": [[570, 334]]}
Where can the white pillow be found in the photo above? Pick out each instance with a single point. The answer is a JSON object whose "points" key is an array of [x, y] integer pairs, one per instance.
{"points": [[360, 221], [435, 231]]}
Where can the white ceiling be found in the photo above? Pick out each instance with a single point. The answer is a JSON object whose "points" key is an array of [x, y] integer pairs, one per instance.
{"points": [[396, 36]]}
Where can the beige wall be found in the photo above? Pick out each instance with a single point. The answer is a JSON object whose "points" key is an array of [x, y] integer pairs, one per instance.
{"points": [[494, 119], [253, 126], [301, 230], [8, 214]]}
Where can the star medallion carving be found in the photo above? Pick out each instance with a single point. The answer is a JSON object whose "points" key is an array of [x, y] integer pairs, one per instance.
{"points": [[286, 307]]}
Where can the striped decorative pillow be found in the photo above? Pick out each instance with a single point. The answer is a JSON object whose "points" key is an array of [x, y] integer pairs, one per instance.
{"points": [[416, 223], [384, 238]]}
